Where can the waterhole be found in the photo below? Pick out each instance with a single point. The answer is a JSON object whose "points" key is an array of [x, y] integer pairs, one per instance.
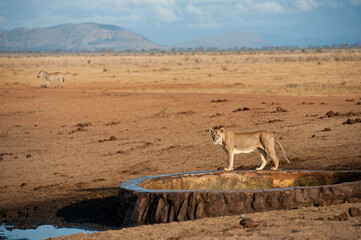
{"points": [[188, 196], [38, 233]]}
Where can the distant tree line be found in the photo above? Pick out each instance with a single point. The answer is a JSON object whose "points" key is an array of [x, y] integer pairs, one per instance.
{"points": [[181, 50]]}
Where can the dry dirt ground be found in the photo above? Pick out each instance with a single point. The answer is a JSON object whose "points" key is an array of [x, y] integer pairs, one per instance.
{"points": [[64, 152], [304, 223]]}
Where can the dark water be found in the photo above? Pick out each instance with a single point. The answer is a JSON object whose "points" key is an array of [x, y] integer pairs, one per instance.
{"points": [[41, 232]]}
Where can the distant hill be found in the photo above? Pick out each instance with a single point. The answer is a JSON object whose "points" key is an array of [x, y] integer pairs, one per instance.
{"points": [[76, 37], [237, 38]]}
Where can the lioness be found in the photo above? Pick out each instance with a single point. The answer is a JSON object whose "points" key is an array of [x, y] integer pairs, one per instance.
{"points": [[235, 143]]}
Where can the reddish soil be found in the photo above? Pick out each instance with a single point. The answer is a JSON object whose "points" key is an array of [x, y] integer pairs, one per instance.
{"points": [[64, 152]]}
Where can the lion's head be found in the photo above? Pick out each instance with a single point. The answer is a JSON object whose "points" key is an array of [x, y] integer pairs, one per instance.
{"points": [[217, 134]]}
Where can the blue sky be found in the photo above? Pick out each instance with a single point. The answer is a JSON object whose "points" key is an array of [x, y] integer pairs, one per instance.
{"points": [[168, 22]]}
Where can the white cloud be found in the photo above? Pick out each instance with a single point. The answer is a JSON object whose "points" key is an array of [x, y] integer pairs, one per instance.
{"points": [[191, 9], [283, 6], [146, 3], [242, 8], [260, 6], [165, 14], [270, 7], [135, 10], [306, 5], [109, 5]]}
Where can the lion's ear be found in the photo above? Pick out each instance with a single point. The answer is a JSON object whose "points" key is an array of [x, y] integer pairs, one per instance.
{"points": [[210, 130], [222, 129]]}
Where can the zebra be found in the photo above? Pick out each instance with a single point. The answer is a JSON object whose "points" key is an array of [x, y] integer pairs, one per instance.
{"points": [[51, 77]]}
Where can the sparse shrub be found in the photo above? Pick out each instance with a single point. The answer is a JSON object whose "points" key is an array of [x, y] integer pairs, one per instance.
{"points": [[165, 69]]}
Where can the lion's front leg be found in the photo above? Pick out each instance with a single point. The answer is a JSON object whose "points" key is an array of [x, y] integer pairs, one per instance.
{"points": [[263, 155], [230, 155]]}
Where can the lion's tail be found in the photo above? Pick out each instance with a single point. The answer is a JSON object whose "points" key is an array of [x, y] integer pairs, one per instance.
{"points": [[284, 154]]}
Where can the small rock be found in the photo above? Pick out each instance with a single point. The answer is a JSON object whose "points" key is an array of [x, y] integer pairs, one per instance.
{"points": [[216, 115], [342, 217], [83, 125], [112, 138], [326, 130], [80, 129], [330, 114], [349, 114], [247, 223], [354, 212], [279, 109], [241, 109], [275, 120], [352, 121], [218, 100], [28, 155]]}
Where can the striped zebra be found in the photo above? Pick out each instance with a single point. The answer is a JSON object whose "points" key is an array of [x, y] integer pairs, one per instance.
{"points": [[51, 77]]}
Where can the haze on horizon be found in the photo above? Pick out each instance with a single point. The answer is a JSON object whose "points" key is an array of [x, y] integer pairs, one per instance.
{"points": [[168, 22]]}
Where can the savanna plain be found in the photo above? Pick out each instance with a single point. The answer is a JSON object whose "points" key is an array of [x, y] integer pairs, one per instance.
{"points": [[64, 151]]}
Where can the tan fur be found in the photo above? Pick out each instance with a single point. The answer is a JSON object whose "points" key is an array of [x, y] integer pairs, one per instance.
{"points": [[235, 143]]}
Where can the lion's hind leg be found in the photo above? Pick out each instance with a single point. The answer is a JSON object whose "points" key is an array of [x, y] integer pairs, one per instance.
{"points": [[275, 159], [263, 156]]}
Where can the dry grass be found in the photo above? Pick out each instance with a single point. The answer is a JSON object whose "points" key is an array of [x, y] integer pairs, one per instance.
{"points": [[332, 72]]}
